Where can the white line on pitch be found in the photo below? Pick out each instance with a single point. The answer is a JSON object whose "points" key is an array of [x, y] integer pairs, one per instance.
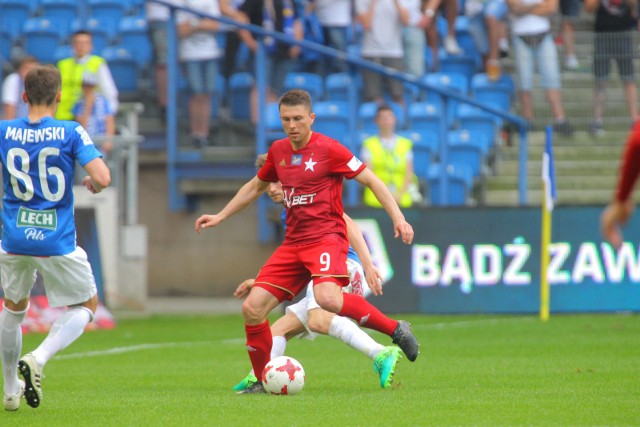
{"points": [[141, 347], [471, 323]]}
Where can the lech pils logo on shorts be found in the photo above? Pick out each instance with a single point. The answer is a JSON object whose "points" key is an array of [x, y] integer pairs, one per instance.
{"points": [[40, 219]]}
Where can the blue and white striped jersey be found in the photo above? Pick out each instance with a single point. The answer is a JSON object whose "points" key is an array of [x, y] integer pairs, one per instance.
{"points": [[38, 166]]}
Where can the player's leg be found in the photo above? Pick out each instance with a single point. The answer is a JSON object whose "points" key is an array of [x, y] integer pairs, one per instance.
{"points": [[69, 282], [255, 309], [283, 329], [291, 277], [384, 358], [11, 319], [17, 276], [330, 297]]}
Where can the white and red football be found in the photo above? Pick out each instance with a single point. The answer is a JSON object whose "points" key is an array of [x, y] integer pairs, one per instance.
{"points": [[283, 375]]}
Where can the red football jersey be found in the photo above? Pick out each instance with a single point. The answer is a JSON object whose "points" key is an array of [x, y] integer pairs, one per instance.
{"points": [[312, 184]]}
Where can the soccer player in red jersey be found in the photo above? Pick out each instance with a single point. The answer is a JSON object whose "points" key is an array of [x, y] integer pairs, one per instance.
{"points": [[620, 209], [311, 168]]}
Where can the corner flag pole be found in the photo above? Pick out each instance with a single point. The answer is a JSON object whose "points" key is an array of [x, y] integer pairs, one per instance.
{"points": [[548, 199]]}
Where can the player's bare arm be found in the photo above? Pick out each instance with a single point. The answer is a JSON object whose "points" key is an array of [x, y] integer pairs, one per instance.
{"points": [[617, 213], [243, 198], [244, 288], [401, 227], [99, 175], [372, 274], [620, 209]]}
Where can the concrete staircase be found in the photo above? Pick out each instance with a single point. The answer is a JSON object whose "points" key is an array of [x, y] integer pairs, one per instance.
{"points": [[586, 166], [586, 170]]}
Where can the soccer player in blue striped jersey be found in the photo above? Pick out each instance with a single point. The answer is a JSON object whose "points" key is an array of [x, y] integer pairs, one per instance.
{"points": [[38, 155]]}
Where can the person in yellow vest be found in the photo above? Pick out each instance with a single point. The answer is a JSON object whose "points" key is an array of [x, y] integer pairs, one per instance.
{"points": [[390, 157], [73, 71]]}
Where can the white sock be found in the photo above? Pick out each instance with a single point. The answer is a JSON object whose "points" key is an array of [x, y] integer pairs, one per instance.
{"points": [[278, 347], [349, 333], [11, 343], [64, 331]]}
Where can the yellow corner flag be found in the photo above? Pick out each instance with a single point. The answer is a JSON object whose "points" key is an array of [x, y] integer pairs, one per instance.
{"points": [[548, 200]]}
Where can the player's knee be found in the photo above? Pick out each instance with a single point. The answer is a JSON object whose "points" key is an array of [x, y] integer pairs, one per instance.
{"points": [[320, 323], [252, 313], [330, 302]]}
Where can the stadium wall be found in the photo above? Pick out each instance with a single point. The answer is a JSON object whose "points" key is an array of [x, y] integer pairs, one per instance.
{"points": [[463, 260]]}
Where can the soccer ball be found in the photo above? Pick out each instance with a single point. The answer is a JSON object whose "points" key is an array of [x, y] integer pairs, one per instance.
{"points": [[283, 375]]}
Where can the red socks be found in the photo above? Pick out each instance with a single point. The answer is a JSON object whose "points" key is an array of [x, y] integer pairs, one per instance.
{"points": [[360, 310], [259, 343]]}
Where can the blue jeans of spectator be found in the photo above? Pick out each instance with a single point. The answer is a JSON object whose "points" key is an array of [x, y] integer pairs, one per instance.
{"points": [[335, 37], [497, 9], [414, 41], [543, 55], [201, 75]]}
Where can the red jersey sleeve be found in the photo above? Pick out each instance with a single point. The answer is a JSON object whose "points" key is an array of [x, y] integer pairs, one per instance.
{"points": [[630, 166], [343, 161], [268, 172]]}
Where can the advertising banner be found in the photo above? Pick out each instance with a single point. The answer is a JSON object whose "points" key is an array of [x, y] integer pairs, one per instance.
{"points": [[487, 260]]}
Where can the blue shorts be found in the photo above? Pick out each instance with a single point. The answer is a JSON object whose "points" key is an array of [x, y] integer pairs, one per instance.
{"points": [[201, 75]]}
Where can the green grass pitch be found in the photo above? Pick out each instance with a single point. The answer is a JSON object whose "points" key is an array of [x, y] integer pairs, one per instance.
{"points": [[473, 370]]}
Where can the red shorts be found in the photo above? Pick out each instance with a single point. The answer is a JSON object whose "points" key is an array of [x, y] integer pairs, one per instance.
{"points": [[288, 271]]}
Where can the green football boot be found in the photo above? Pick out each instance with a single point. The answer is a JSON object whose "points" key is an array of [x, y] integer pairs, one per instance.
{"points": [[385, 364]]}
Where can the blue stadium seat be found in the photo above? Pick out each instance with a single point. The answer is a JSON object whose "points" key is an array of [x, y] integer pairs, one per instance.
{"points": [[134, 34], [459, 182], [425, 116], [273, 124], [123, 68], [238, 95], [13, 13], [41, 38], [479, 139], [466, 40], [337, 86], [6, 43], [310, 82], [332, 119], [108, 12], [366, 117], [425, 150], [500, 92], [455, 82], [476, 120], [62, 12], [463, 64], [63, 51], [462, 148]]}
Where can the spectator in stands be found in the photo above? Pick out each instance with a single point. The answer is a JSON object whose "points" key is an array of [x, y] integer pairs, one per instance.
{"points": [[74, 69], [390, 157], [382, 22], [414, 39], [613, 39], [486, 25], [281, 16], [450, 43], [570, 11], [234, 37], [12, 104], [534, 46], [157, 17], [199, 55], [101, 123], [336, 20]]}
